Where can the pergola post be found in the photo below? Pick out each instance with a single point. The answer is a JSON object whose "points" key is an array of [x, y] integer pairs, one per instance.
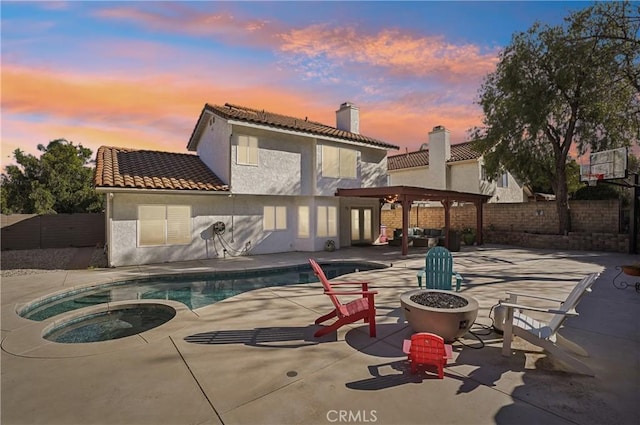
{"points": [[479, 221], [406, 209], [447, 221]]}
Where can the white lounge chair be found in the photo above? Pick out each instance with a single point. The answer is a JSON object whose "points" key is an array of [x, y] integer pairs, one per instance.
{"points": [[545, 334]]}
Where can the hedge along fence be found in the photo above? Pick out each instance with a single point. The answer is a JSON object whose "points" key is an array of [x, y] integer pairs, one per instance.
{"points": [[32, 231], [593, 223]]}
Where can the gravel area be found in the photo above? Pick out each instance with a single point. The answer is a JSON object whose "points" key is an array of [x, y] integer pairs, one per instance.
{"points": [[36, 261]]}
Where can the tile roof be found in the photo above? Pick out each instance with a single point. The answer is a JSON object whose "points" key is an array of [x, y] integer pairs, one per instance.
{"points": [[142, 169], [304, 125], [459, 152]]}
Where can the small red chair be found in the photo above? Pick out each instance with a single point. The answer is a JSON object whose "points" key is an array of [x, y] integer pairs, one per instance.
{"points": [[427, 349], [359, 309]]}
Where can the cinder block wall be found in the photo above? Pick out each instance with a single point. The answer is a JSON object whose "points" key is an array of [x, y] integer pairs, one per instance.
{"points": [[531, 217], [595, 224]]}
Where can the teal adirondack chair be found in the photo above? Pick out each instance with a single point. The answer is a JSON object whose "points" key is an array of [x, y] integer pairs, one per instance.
{"points": [[438, 271]]}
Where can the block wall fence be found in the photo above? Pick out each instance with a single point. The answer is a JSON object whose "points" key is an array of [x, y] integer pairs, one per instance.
{"points": [[595, 224], [32, 231]]}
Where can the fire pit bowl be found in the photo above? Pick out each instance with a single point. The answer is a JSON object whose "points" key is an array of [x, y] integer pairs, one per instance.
{"points": [[445, 313]]}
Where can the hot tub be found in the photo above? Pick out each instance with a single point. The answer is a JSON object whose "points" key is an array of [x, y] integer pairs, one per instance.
{"points": [[116, 322]]}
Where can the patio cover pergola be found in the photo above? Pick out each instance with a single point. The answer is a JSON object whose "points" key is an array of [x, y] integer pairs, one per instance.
{"points": [[406, 195]]}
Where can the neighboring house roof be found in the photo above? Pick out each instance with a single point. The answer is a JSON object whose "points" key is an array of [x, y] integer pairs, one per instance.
{"points": [[459, 152], [271, 119], [143, 169]]}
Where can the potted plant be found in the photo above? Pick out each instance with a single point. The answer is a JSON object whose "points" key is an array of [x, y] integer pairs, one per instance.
{"points": [[468, 235], [330, 245]]}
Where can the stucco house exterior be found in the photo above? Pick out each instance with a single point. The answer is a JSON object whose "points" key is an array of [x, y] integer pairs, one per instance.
{"points": [[258, 183], [440, 165]]}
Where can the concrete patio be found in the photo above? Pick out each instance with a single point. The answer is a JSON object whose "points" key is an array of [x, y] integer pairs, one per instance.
{"points": [[252, 359]]}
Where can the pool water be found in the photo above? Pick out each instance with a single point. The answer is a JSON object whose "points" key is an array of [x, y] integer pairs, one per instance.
{"points": [[194, 291], [112, 324]]}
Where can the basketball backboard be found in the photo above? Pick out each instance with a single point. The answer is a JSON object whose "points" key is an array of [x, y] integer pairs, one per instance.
{"points": [[605, 165]]}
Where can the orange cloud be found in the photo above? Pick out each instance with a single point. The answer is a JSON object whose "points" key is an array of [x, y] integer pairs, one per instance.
{"points": [[399, 52], [182, 19], [409, 127], [157, 112]]}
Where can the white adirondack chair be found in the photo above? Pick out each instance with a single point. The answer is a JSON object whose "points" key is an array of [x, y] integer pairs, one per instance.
{"points": [[545, 334]]}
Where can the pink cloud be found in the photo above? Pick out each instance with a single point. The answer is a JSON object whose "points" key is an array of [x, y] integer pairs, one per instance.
{"points": [[181, 19], [409, 127], [400, 53], [151, 114]]}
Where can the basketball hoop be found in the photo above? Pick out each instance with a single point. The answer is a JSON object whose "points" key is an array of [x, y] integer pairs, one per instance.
{"points": [[605, 165], [592, 179]]}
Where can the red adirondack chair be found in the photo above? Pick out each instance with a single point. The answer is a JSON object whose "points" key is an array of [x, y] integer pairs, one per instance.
{"points": [[361, 308], [427, 349]]}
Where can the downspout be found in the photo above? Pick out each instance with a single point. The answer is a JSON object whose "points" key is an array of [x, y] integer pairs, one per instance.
{"points": [[109, 223]]}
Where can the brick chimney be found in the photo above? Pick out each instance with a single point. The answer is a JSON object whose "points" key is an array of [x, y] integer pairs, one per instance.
{"points": [[439, 154], [348, 118]]}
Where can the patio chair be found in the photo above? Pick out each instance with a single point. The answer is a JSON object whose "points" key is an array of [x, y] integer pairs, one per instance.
{"points": [[360, 308], [425, 348], [438, 271], [545, 334]]}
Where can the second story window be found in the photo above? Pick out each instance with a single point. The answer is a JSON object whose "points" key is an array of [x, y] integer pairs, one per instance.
{"points": [[503, 180], [339, 162], [247, 153]]}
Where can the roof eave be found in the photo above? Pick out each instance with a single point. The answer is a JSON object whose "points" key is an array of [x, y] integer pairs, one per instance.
{"points": [[194, 140], [382, 146], [111, 189]]}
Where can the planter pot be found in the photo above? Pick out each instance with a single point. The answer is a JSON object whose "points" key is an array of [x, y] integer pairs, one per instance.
{"points": [[449, 323]]}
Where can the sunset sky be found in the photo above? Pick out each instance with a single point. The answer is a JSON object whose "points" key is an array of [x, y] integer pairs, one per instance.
{"points": [[137, 74]]}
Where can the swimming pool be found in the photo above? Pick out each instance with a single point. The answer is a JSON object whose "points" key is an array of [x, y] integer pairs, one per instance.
{"points": [[194, 291]]}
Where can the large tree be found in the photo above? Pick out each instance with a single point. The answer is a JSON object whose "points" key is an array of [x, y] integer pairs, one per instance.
{"points": [[561, 87], [60, 181]]}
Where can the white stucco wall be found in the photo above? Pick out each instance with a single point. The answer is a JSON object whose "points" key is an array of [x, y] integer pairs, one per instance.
{"points": [[283, 164], [512, 193], [464, 176], [243, 219], [371, 169], [373, 163], [416, 176], [213, 147]]}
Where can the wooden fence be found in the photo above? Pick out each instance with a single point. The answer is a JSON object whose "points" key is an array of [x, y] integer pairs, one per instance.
{"points": [[32, 231]]}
